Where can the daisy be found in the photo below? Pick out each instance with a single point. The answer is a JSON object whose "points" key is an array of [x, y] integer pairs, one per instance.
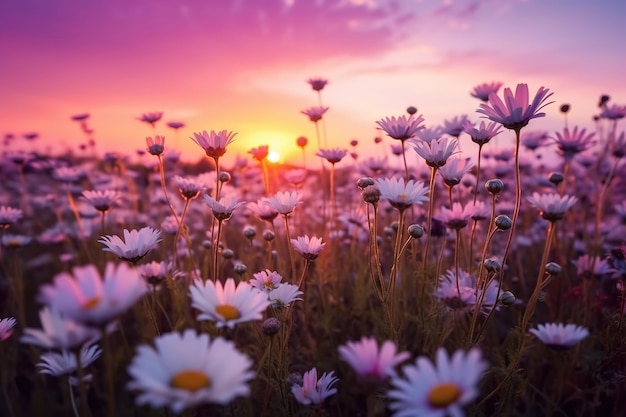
{"points": [[156, 146], [308, 247], [592, 266], [136, 243], [184, 370], [371, 362], [284, 295], [465, 295], [452, 172], [439, 389], [312, 390], [214, 143], [189, 187], [15, 241], [101, 200], [88, 298], [482, 91], [402, 195], [58, 332], [515, 111], [552, 207], [560, 336], [614, 112], [315, 113], [429, 134], [284, 202], [401, 128], [533, 140], [264, 210], [6, 328], [295, 176], [175, 125], [332, 155], [155, 273], [317, 84], [259, 153], [436, 152], [571, 143], [457, 217], [151, 118], [482, 133], [266, 280], [9, 216], [227, 304], [69, 174], [59, 364], [224, 208], [454, 127]]}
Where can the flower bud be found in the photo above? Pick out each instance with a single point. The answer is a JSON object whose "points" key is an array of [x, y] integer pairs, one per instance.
{"points": [[302, 141], [228, 254], [271, 326], [364, 182], [565, 108], [411, 110], [240, 269], [371, 194], [503, 222], [493, 265], [507, 299], [494, 186], [416, 231], [207, 244], [552, 268], [224, 176], [556, 178], [268, 235], [249, 232], [389, 231]]}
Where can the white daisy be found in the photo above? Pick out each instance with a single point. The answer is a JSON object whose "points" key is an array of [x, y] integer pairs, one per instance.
{"points": [[185, 370], [6, 328], [266, 280], [437, 390], [370, 361], [88, 298], [312, 390], [59, 364], [227, 304], [58, 332], [136, 243], [560, 336], [284, 295]]}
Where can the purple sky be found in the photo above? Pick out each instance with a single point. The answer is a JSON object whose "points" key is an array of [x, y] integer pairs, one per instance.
{"points": [[242, 65]]}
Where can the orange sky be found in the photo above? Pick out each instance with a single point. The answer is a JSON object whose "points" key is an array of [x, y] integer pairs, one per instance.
{"points": [[243, 65]]}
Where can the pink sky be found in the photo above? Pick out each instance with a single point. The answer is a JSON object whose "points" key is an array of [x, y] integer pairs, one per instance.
{"points": [[241, 65]]}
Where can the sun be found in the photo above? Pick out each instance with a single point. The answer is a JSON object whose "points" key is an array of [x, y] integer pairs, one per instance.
{"points": [[273, 157]]}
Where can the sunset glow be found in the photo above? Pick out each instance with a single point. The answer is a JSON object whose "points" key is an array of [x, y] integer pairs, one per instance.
{"points": [[246, 70]]}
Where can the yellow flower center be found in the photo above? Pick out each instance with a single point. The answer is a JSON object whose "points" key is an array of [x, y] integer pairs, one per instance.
{"points": [[91, 303], [190, 380], [443, 395], [228, 312]]}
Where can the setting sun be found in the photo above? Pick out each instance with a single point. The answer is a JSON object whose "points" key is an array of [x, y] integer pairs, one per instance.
{"points": [[273, 157]]}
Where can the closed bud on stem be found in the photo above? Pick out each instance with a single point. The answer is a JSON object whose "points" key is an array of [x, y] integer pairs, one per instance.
{"points": [[552, 268], [493, 265], [271, 326], [371, 194], [249, 232], [228, 254], [507, 299], [389, 231], [268, 235], [503, 222], [240, 269], [416, 231], [206, 244], [556, 178], [364, 182], [224, 176], [494, 186]]}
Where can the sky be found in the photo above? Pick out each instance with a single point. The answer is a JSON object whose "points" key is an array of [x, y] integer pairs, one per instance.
{"points": [[242, 65]]}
